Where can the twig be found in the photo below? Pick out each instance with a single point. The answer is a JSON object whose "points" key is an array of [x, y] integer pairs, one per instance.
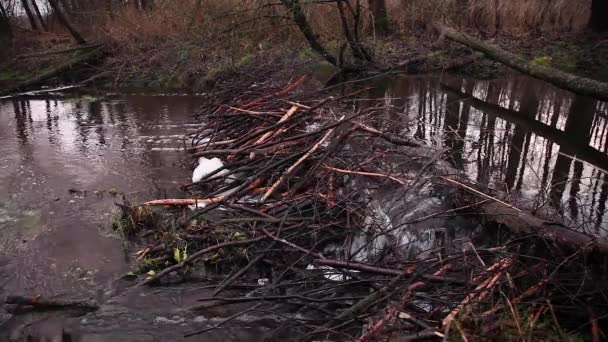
{"points": [[197, 255]]}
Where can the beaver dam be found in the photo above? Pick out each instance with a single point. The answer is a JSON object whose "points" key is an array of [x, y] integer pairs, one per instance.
{"points": [[321, 211]]}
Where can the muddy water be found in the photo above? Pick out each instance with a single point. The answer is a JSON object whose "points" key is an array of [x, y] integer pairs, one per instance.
{"points": [[543, 148]]}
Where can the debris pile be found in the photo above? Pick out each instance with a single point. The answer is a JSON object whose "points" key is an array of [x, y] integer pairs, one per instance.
{"points": [[281, 207]]}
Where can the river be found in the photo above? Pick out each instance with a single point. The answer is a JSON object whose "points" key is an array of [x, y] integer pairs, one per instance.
{"points": [[67, 158]]}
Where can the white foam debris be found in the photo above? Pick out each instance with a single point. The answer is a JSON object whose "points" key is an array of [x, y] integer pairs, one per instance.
{"points": [[330, 273], [206, 167], [197, 206]]}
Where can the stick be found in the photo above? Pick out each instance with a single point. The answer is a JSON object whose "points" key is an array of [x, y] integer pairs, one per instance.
{"points": [[477, 192], [363, 173], [295, 165], [197, 255], [266, 135], [185, 201]]}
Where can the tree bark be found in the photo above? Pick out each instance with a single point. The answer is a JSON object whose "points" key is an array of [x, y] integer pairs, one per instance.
{"points": [[30, 15], [358, 52], [66, 23], [39, 15], [576, 84], [300, 19], [599, 16]]}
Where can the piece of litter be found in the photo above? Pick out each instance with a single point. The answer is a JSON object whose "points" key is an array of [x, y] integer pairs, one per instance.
{"points": [[206, 167]]}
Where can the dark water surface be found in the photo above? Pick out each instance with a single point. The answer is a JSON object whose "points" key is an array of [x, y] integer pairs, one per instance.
{"points": [[543, 148], [64, 159]]}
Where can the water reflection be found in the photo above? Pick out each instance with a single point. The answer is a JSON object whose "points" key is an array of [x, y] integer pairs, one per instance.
{"points": [[544, 147], [53, 148]]}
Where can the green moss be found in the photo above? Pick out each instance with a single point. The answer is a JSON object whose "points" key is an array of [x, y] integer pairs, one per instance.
{"points": [[245, 60], [542, 60]]}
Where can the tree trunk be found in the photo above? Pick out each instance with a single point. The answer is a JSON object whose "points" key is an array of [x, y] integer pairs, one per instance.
{"points": [[30, 15], [380, 16], [147, 5], [39, 15], [576, 84], [66, 23], [300, 19], [5, 24], [599, 15], [352, 42]]}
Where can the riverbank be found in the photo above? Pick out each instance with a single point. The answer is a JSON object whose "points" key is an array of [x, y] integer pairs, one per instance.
{"points": [[186, 67]]}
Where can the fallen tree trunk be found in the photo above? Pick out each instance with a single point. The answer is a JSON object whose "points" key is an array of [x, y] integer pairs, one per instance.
{"points": [[576, 84], [57, 52], [59, 69], [521, 222]]}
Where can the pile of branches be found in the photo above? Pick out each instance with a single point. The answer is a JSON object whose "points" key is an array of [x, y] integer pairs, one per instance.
{"points": [[277, 219]]}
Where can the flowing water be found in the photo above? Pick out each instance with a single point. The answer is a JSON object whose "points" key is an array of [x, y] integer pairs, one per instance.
{"points": [[65, 162]]}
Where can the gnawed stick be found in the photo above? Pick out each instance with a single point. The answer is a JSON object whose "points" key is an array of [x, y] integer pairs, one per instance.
{"points": [[477, 192], [284, 91], [284, 118], [363, 173], [185, 201], [267, 135], [396, 311], [385, 136], [210, 144], [480, 291], [290, 170]]}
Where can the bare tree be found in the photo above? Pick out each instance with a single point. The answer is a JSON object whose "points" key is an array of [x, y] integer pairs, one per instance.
{"points": [[5, 23], [39, 15], [66, 23], [30, 15], [295, 8]]}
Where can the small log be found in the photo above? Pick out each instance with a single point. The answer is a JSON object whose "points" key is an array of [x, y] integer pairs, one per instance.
{"points": [[564, 80]]}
